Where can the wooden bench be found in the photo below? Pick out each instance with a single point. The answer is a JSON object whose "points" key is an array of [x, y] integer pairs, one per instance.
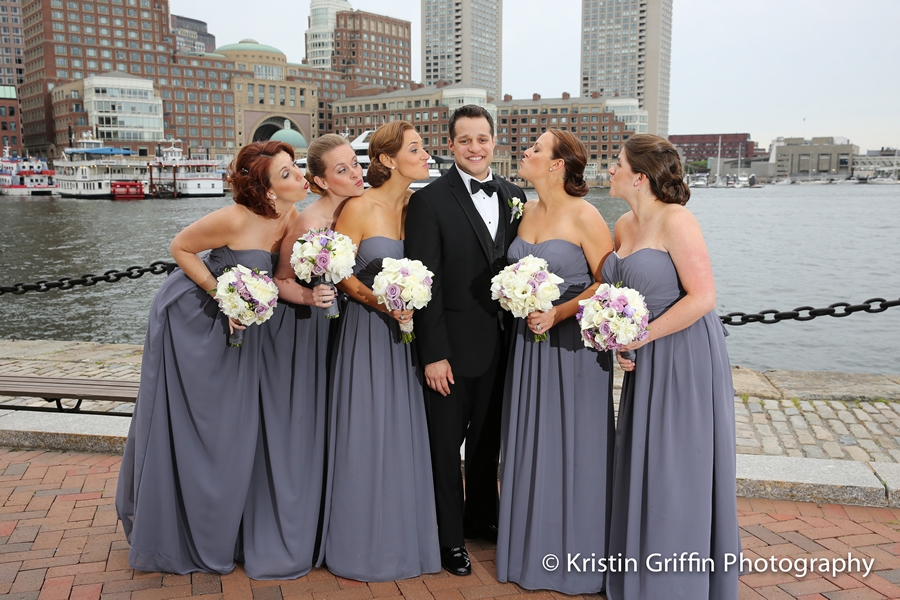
{"points": [[54, 389]]}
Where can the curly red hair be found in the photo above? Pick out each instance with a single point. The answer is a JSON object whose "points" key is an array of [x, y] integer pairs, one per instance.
{"points": [[248, 175]]}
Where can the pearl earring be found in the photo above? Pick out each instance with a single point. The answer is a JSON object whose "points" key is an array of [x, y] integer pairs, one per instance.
{"points": [[392, 168], [637, 183]]}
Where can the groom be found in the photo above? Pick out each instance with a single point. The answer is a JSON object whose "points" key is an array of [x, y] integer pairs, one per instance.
{"points": [[460, 227]]}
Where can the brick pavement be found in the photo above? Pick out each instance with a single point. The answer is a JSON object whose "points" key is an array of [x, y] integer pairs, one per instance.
{"points": [[60, 540]]}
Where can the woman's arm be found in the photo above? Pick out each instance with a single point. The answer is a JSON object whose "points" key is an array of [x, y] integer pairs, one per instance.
{"points": [[215, 230], [683, 241]]}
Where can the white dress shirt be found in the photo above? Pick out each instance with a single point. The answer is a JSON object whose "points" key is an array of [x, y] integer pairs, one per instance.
{"points": [[487, 206]]}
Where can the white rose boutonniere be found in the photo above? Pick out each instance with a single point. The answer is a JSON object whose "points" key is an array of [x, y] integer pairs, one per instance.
{"points": [[517, 206]]}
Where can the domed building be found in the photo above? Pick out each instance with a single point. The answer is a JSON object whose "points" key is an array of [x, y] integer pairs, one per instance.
{"points": [[292, 137], [265, 100]]}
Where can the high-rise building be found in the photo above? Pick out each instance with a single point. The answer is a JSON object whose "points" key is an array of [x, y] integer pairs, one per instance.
{"points": [[191, 35], [372, 49], [462, 43], [320, 35], [626, 51], [12, 62]]}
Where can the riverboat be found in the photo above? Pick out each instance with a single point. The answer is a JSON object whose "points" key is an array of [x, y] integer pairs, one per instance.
{"points": [[90, 169], [173, 176], [360, 146], [25, 176]]}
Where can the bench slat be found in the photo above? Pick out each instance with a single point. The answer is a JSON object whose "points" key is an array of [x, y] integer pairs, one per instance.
{"points": [[62, 387]]}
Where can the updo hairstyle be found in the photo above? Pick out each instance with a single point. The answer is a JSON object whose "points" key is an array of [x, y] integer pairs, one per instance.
{"points": [[387, 139], [574, 156], [248, 175], [658, 159], [315, 158]]}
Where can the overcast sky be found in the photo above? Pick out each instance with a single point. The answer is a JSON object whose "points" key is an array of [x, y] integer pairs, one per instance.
{"points": [[768, 68]]}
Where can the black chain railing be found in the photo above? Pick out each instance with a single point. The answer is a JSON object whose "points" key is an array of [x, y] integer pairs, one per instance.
{"points": [[808, 313], [158, 267], [803, 313]]}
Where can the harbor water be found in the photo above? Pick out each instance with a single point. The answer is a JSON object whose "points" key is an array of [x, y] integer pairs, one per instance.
{"points": [[775, 247]]}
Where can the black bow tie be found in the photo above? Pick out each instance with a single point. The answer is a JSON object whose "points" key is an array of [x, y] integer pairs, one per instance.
{"points": [[490, 186]]}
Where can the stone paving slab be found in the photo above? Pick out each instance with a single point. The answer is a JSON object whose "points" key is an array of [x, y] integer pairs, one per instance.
{"points": [[889, 474], [752, 383], [801, 479], [56, 431], [826, 385]]}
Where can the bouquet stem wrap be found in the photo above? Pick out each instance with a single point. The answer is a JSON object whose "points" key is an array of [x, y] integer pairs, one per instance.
{"points": [[406, 332], [333, 311], [236, 338]]}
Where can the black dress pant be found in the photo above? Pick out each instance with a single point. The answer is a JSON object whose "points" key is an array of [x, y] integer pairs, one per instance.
{"points": [[470, 413]]}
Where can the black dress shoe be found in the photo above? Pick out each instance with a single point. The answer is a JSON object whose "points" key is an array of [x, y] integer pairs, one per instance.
{"points": [[456, 560], [487, 533]]}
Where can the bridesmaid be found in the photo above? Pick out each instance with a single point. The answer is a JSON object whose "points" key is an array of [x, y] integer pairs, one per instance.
{"points": [[379, 515], [558, 426], [283, 507], [190, 450], [674, 485]]}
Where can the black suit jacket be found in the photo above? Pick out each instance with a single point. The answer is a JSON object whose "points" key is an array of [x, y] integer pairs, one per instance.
{"points": [[445, 232]]}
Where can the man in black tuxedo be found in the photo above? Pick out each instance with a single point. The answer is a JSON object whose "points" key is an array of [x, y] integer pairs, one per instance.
{"points": [[460, 227]]}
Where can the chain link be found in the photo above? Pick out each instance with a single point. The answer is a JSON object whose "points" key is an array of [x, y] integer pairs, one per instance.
{"points": [[768, 317], [158, 267], [807, 313]]}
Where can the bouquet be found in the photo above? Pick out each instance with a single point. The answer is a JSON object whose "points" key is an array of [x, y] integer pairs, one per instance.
{"points": [[245, 295], [613, 317], [325, 256], [526, 287], [403, 284]]}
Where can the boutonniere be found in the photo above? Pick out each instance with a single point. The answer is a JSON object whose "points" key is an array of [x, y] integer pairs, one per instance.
{"points": [[517, 206]]}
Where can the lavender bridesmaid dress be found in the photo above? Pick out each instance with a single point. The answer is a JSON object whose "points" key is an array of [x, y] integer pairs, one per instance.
{"points": [[557, 435], [674, 483]]}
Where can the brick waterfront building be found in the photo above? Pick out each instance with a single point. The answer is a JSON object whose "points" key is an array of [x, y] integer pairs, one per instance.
{"points": [[698, 147]]}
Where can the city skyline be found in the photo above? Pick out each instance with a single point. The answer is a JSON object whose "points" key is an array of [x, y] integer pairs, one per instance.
{"points": [[771, 68]]}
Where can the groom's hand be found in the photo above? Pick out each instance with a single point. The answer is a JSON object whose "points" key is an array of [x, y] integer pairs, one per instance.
{"points": [[439, 376]]}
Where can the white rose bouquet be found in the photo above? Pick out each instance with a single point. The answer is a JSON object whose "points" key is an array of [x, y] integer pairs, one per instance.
{"points": [[526, 287], [247, 296], [326, 256], [613, 317], [403, 284]]}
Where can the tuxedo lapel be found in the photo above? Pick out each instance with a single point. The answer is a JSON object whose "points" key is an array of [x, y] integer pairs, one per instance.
{"points": [[465, 201], [506, 219]]}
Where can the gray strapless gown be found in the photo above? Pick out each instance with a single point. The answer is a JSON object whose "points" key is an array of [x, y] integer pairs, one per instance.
{"points": [[379, 516], [674, 482], [281, 516], [191, 445], [557, 436]]}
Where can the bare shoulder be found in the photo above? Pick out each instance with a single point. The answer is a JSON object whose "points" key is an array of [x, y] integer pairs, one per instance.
{"points": [[233, 216], [679, 219], [310, 217], [587, 213], [357, 208]]}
